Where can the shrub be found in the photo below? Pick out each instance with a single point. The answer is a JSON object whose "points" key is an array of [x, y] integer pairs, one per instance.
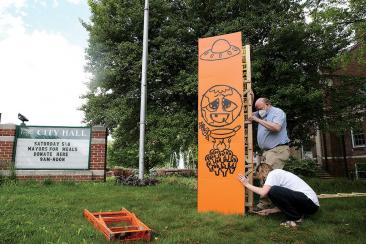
{"points": [[133, 180], [306, 167], [124, 172]]}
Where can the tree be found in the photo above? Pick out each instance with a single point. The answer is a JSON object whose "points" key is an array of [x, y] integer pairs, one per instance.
{"points": [[288, 53], [115, 60], [344, 91]]}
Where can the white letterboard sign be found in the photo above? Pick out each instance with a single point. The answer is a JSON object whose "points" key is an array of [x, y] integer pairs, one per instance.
{"points": [[52, 147]]}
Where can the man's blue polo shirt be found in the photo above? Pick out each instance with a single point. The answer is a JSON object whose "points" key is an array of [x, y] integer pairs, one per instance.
{"points": [[267, 139]]}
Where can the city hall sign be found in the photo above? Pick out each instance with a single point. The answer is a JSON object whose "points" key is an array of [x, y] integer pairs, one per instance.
{"points": [[46, 147]]}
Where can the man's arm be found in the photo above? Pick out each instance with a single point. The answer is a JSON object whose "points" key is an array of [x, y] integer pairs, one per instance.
{"points": [[274, 127], [262, 191]]}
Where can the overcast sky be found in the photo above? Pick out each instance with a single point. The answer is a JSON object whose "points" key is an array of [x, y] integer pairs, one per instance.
{"points": [[42, 59]]}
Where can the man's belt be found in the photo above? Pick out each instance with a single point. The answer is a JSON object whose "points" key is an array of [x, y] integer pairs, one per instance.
{"points": [[285, 144]]}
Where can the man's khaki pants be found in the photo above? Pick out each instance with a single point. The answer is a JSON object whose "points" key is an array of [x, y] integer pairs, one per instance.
{"points": [[276, 158]]}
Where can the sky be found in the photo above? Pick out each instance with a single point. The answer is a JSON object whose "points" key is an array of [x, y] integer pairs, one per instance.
{"points": [[42, 61]]}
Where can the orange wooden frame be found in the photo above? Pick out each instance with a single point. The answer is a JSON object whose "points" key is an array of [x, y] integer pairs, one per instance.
{"points": [[134, 230]]}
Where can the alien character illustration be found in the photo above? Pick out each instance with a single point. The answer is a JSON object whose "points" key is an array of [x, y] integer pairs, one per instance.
{"points": [[220, 106]]}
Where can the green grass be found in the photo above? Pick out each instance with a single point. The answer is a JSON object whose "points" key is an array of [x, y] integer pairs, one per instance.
{"points": [[32, 212]]}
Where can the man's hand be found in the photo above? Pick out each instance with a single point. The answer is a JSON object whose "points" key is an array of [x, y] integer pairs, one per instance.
{"points": [[244, 180], [253, 118]]}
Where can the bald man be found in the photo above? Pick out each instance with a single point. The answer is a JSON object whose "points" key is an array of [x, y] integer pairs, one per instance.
{"points": [[271, 136]]}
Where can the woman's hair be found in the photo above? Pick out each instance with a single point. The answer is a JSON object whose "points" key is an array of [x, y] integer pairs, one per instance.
{"points": [[263, 170]]}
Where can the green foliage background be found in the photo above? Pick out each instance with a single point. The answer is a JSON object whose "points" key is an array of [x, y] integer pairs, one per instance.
{"points": [[288, 55], [306, 167]]}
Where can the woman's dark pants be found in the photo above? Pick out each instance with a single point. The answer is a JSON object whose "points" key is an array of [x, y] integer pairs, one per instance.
{"points": [[293, 204]]}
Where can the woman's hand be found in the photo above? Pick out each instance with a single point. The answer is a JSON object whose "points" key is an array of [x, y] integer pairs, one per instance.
{"points": [[244, 180], [263, 191]]}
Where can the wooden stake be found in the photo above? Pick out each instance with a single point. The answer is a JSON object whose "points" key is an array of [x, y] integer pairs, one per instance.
{"points": [[337, 195]]}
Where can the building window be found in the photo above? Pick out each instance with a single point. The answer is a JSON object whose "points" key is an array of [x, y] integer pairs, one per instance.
{"points": [[358, 138]]}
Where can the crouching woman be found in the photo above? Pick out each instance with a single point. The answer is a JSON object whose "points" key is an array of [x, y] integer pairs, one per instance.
{"points": [[288, 192]]}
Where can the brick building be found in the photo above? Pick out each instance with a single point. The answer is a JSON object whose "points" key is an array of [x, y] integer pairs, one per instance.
{"points": [[337, 154]]}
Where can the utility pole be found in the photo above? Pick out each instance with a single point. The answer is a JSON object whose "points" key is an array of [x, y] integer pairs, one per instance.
{"points": [[143, 90]]}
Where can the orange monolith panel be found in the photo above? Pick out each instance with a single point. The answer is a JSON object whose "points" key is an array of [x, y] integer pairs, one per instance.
{"points": [[220, 124]]}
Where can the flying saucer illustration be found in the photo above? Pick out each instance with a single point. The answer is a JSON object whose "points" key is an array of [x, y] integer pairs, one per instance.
{"points": [[221, 49]]}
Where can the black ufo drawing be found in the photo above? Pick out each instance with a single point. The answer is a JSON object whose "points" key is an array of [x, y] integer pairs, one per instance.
{"points": [[221, 49]]}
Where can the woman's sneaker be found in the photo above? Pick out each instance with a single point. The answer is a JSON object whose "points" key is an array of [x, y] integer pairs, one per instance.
{"points": [[289, 223], [300, 220]]}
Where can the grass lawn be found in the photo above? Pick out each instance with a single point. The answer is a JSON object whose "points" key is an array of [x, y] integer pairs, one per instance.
{"points": [[47, 212]]}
